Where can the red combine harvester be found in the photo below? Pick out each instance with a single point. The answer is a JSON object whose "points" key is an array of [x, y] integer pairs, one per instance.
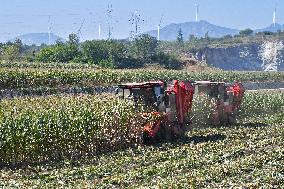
{"points": [[169, 105]]}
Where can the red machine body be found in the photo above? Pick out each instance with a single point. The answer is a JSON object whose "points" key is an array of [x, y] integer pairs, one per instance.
{"points": [[170, 105]]}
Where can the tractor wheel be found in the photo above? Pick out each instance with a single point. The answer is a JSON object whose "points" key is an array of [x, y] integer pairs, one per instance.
{"points": [[147, 139], [232, 119], [166, 133]]}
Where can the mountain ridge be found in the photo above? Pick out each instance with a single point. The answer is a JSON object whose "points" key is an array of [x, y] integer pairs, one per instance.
{"points": [[38, 38], [199, 29], [167, 33]]}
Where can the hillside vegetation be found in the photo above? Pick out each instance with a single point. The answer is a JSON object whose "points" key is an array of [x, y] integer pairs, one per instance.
{"points": [[142, 52]]}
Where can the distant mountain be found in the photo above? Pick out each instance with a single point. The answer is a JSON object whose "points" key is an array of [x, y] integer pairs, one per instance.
{"points": [[271, 28], [198, 29], [38, 38]]}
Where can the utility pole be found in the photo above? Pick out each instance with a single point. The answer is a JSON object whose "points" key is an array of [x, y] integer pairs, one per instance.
{"points": [[135, 22], [79, 33], [159, 27], [109, 20]]}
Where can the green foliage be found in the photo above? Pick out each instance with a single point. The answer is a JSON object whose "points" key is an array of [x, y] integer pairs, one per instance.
{"points": [[228, 37], [73, 40], [169, 61], [26, 78], [45, 55], [247, 155], [192, 38], [95, 51], [238, 157], [103, 52], [39, 129], [58, 53], [195, 44], [18, 43], [53, 65], [246, 32], [144, 47], [109, 63], [264, 33], [64, 53], [11, 53], [260, 105], [180, 40], [206, 36]]}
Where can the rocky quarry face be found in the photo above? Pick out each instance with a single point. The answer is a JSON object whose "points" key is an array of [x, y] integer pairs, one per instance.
{"points": [[267, 56]]}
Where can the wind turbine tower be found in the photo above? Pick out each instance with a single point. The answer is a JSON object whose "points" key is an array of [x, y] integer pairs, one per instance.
{"points": [[49, 31], [100, 32], [158, 36], [274, 17], [197, 12]]}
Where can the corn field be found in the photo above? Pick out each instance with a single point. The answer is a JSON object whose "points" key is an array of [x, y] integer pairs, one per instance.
{"points": [[265, 105], [38, 129], [55, 127], [14, 78]]}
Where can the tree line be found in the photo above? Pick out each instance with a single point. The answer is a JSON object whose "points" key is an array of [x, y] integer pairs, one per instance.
{"points": [[144, 50]]}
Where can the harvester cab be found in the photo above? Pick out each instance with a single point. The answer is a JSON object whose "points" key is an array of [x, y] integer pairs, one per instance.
{"points": [[168, 106], [149, 94]]}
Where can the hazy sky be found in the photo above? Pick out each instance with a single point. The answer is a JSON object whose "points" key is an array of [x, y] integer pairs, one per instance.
{"points": [[26, 16]]}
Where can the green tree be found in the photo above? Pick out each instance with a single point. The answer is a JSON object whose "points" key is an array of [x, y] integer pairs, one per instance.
{"points": [[246, 32], [206, 36], [18, 43], [144, 47], [59, 42], [64, 53], [45, 55], [11, 52], [192, 38], [180, 37], [104, 53], [228, 36], [58, 53], [94, 51], [73, 39]]}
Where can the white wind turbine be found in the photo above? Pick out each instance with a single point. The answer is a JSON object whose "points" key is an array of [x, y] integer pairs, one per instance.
{"points": [[49, 30], [274, 16], [196, 12]]}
